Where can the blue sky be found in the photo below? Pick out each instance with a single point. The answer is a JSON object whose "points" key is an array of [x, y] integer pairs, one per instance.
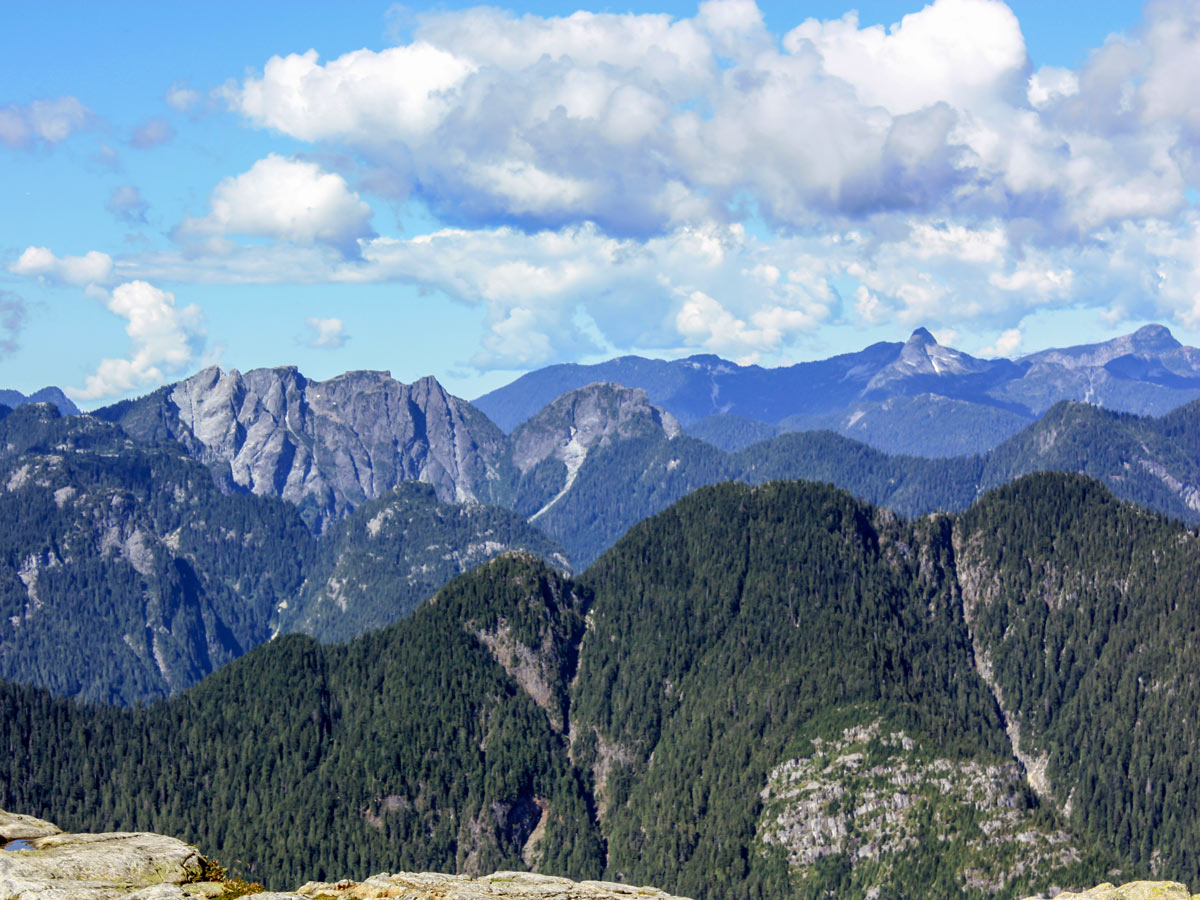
{"points": [[472, 192]]}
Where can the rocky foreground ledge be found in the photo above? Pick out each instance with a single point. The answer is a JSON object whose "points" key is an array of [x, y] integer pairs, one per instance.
{"points": [[53, 865]]}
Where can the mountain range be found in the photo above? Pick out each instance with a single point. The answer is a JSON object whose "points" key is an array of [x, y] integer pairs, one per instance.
{"points": [[13, 399], [126, 574], [112, 537], [773, 691], [917, 397]]}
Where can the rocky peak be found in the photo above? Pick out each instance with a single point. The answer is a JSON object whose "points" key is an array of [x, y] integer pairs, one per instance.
{"points": [[1150, 341], [570, 427], [920, 337], [53, 395], [329, 445], [1153, 338], [923, 355]]}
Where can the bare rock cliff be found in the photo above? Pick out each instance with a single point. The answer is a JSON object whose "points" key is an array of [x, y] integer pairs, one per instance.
{"points": [[50, 865], [326, 445]]}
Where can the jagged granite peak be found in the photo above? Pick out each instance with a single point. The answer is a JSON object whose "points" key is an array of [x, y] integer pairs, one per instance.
{"points": [[949, 402], [325, 445], [580, 421], [923, 355], [585, 418]]}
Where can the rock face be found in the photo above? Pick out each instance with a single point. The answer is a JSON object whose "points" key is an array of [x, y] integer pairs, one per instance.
{"points": [[1134, 890], [867, 795], [60, 866], [143, 866], [16, 827], [324, 445], [578, 422], [509, 885]]}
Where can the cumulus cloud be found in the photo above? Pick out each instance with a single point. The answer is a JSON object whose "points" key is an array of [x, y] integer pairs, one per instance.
{"points": [[286, 199], [641, 122], [595, 169], [12, 320], [42, 122], [1006, 345], [329, 334], [152, 133], [164, 339], [126, 204], [93, 267]]}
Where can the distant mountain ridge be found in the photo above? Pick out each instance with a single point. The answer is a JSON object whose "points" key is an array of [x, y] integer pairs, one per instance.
{"points": [[13, 399], [329, 446], [917, 397]]}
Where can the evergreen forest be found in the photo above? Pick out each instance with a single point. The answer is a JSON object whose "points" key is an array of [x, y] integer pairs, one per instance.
{"points": [[751, 659]]}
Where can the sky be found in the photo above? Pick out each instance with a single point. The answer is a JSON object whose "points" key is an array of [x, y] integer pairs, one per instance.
{"points": [[473, 192]]}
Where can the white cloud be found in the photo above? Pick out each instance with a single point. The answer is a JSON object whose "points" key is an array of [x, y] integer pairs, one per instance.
{"points": [[595, 168], [641, 123], [1051, 83], [396, 94], [1006, 344], [92, 267], [45, 122], [326, 333], [126, 204], [960, 52], [286, 199], [165, 340]]}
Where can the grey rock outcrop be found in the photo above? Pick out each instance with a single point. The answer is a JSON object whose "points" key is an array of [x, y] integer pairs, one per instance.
{"points": [[51, 395], [1134, 890], [16, 827], [509, 885], [324, 445], [132, 865], [143, 866], [581, 420]]}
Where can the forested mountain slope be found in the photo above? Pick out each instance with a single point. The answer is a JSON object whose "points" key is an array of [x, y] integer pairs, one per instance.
{"points": [[375, 566], [772, 691], [127, 575], [124, 573], [1153, 461]]}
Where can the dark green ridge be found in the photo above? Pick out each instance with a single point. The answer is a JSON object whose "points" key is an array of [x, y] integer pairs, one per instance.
{"points": [[722, 637]]}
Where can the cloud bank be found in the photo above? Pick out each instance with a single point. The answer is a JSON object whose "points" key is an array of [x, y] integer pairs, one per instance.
{"points": [[919, 173], [611, 182]]}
